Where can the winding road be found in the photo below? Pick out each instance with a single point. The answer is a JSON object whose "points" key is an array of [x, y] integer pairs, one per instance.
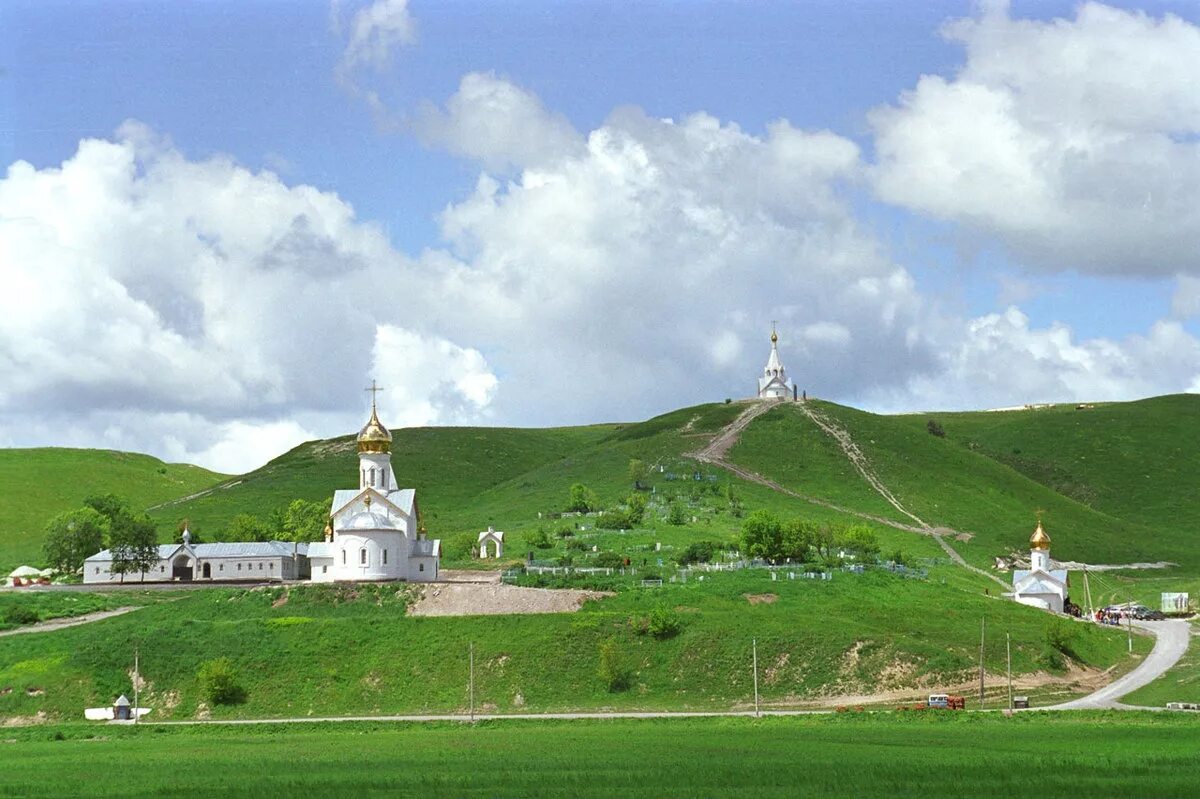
{"points": [[1171, 642]]}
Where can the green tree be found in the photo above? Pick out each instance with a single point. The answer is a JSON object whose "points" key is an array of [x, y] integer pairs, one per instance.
{"points": [[859, 539], [305, 520], [637, 472], [582, 499], [248, 527], [73, 536], [614, 671], [108, 505], [797, 539], [762, 535], [133, 542], [219, 682], [677, 515], [637, 508], [824, 540]]}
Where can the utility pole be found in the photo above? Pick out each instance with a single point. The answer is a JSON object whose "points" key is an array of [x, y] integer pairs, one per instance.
{"points": [[754, 649], [1008, 652], [137, 678], [1129, 624], [471, 659], [982, 631]]}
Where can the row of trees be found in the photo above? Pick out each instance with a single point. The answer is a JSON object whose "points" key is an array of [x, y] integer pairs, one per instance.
{"points": [[764, 535], [105, 520]]}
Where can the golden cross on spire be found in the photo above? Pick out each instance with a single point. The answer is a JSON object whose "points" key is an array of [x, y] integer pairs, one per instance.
{"points": [[374, 389]]}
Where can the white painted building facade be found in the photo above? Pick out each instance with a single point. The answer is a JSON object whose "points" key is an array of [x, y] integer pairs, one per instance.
{"points": [[254, 561], [773, 383], [1041, 585], [374, 531]]}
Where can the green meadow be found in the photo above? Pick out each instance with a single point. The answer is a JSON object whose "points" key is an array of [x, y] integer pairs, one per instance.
{"points": [[351, 650], [888, 754]]}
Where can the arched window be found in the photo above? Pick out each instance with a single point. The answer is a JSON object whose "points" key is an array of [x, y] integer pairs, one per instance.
{"points": [[385, 557], [372, 475], [362, 556], [383, 480], [343, 557]]}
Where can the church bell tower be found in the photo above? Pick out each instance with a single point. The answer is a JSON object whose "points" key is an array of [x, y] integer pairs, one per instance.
{"points": [[374, 452]]}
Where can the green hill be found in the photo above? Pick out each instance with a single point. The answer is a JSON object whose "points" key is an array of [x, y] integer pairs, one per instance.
{"points": [[950, 485], [41, 483]]}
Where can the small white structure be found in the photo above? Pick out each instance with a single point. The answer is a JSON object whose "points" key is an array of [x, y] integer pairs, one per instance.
{"points": [[374, 531], [1040, 586], [774, 383], [495, 538]]}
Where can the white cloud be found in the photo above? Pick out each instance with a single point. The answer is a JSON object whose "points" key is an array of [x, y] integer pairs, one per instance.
{"points": [[374, 32], [430, 380], [1074, 142], [1186, 301], [138, 284], [497, 123]]}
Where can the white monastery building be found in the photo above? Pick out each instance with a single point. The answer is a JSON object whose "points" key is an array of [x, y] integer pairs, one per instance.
{"points": [[774, 383], [1040, 586], [374, 533]]}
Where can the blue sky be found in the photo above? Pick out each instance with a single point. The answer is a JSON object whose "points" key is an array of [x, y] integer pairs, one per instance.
{"points": [[257, 82]]}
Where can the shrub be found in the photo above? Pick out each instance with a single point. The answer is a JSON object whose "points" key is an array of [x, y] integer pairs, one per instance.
{"points": [[609, 560], [538, 539], [575, 545], [218, 681], [664, 622], [582, 499], [20, 614], [698, 552], [566, 531], [614, 520], [935, 429], [677, 515], [614, 671]]}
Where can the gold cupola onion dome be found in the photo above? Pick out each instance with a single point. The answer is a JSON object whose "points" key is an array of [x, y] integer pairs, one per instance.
{"points": [[374, 437], [774, 336], [1039, 539]]}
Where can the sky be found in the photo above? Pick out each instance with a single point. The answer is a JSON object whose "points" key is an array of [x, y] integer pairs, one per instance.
{"points": [[219, 221]]}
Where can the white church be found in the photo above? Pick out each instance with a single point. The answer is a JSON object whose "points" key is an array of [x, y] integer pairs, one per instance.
{"points": [[1040, 586], [773, 383], [374, 533]]}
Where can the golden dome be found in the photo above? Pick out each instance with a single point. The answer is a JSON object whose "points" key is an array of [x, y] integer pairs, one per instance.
{"points": [[374, 437], [774, 337], [1039, 539]]}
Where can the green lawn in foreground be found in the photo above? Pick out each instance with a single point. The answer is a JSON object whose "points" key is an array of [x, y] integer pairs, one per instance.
{"points": [[933, 754]]}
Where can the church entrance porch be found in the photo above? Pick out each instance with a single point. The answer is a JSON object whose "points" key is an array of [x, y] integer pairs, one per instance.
{"points": [[206, 571], [181, 568]]}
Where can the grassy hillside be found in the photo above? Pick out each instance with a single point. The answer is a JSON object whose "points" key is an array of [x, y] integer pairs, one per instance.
{"points": [[325, 650], [947, 484], [37, 484], [895, 755], [1131, 460]]}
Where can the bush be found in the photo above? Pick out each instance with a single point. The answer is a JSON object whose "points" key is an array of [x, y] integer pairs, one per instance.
{"points": [[677, 515], [218, 681], [698, 552], [614, 671], [575, 545], [566, 531], [664, 622], [20, 614], [609, 560], [582, 499], [538, 539], [935, 429], [614, 520]]}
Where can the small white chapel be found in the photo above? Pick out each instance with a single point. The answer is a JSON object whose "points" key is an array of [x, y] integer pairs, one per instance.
{"points": [[374, 531], [1040, 586], [774, 382]]}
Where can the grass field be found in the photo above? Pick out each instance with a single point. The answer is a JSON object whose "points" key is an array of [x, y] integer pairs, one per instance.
{"points": [[351, 650], [38, 484], [1093, 755]]}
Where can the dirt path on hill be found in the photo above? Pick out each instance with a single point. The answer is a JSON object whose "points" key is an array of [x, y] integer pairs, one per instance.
{"points": [[717, 449], [69, 621], [493, 599]]}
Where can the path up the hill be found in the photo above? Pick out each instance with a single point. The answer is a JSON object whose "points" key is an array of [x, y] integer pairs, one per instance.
{"points": [[717, 449]]}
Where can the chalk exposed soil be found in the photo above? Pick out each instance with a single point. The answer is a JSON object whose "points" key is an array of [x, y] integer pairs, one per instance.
{"points": [[493, 599]]}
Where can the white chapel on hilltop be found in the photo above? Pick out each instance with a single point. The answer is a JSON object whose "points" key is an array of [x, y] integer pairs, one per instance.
{"points": [[374, 531], [774, 383]]}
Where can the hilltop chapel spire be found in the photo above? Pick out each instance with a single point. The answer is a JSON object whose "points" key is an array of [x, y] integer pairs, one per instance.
{"points": [[774, 383]]}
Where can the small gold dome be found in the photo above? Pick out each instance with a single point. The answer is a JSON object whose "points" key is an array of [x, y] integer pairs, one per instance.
{"points": [[374, 437], [774, 337], [1039, 539]]}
